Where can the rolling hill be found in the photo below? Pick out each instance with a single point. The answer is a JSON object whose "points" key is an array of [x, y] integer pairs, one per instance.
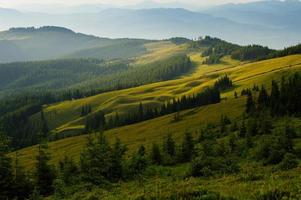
{"points": [[65, 116]]}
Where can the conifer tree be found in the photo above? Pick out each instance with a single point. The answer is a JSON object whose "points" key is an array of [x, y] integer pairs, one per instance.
{"points": [[138, 162], [68, 171], [250, 107], [45, 173], [116, 169], [187, 148], [156, 156], [95, 160], [6, 171], [169, 146], [22, 185], [275, 97]]}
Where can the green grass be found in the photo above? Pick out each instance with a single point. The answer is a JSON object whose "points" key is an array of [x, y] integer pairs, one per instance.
{"points": [[165, 181], [66, 114]]}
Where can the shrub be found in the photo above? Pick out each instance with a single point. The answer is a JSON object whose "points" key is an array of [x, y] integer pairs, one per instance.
{"points": [[289, 162], [205, 166], [274, 194]]}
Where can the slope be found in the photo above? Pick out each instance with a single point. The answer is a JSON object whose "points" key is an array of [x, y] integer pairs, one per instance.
{"points": [[65, 116], [243, 75]]}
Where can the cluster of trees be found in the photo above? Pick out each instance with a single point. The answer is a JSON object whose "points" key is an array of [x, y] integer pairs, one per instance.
{"points": [[251, 52], [284, 98], [17, 125], [285, 52], [86, 109], [223, 83], [218, 48], [98, 121]]}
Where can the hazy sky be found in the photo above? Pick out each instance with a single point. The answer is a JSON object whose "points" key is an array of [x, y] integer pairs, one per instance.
{"points": [[12, 3]]}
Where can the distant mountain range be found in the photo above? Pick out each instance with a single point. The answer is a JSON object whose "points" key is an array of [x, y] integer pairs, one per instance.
{"points": [[272, 23], [25, 44]]}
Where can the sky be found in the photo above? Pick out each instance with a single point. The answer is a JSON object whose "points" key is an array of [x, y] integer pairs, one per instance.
{"points": [[14, 3]]}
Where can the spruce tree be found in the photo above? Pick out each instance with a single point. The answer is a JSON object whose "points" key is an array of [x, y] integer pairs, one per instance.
{"points": [[187, 148], [45, 173], [138, 162], [156, 156], [95, 160], [250, 107], [6, 171], [275, 98], [117, 163], [68, 171], [22, 185], [169, 146]]}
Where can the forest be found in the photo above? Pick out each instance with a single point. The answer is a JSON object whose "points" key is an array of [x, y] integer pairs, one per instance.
{"points": [[217, 48]]}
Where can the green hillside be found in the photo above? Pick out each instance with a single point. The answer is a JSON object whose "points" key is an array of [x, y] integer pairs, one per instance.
{"points": [[167, 124], [166, 181], [243, 75]]}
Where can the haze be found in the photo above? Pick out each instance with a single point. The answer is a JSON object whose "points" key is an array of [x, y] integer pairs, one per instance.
{"points": [[16, 3]]}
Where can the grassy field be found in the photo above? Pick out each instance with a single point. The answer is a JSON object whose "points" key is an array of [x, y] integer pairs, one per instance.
{"points": [[162, 182], [65, 116]]}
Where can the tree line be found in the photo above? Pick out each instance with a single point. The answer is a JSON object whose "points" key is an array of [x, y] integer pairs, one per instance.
{"points": [[283, 99], [217, 48], [98, 121]]}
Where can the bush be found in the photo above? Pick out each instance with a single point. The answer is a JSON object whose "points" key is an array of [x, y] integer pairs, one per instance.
{"points": [[275, 194], [205, 166], [289, 162]]}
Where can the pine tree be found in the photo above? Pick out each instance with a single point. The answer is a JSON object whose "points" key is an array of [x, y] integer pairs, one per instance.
{"points": [[169, 146], [156, 156], [116, 169], [95, 160], [275, 97], [250, 107], [68, 171], [187, 148], [6, 171], [45, 173], [138, 162], [22, 185], [263, 98]]}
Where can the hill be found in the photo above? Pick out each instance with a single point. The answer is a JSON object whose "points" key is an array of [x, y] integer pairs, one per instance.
{"points": [[244, 169], [65, 116], [49, 42]]}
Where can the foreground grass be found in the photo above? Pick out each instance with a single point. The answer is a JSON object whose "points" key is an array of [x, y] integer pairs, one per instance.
{"points": [[172, 183]]}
